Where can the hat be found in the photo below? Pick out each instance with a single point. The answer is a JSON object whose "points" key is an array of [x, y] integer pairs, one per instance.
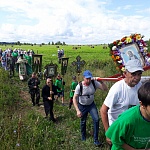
{"points": [[87, 74], [134, 65]]}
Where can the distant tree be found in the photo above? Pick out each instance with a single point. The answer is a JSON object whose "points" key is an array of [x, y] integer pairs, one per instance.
{"points": [[52, 43], [64, 43], [18, 43], [58, 43], [43, 43], [34, 43], [49, 43]]}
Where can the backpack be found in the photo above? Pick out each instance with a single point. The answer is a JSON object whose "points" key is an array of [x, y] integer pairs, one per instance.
{"points": [[81, 87]]}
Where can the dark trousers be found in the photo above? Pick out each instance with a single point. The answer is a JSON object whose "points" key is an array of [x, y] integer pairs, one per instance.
{"points": [[48, 107], [35, 93], [71, 102]]}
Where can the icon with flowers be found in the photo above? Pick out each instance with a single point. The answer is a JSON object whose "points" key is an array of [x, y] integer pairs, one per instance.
{"points": [[133, 39]]}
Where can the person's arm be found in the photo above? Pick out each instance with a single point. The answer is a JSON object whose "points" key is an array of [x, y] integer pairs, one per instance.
{"points": [[30, 85], [104, 116], [103, 86], [44, 93], [75, 97]]}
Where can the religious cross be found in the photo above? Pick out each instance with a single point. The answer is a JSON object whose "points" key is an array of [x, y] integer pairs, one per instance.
{"points": [[78, 64]]}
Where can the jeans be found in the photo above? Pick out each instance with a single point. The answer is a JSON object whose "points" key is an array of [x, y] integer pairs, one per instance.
{"points": [[85, 109]]}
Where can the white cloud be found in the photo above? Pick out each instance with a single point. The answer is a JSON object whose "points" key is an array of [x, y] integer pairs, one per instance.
{"points": [[73, 22]]}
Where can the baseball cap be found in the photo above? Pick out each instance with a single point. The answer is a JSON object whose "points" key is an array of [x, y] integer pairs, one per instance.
{"points": [[87, 74], [134, 65]]}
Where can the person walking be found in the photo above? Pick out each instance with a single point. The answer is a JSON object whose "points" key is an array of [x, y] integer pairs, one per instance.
{"points": [[34, 90], [84, 104], [131, 130], [72, 90], [59, 83], [48, 92], [122, 95]]}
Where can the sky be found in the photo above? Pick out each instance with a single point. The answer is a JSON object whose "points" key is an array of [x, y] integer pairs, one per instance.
{"points": [[73, 21]]}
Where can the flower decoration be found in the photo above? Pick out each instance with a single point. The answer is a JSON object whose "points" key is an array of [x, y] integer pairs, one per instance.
{"points": [[125, 41]]}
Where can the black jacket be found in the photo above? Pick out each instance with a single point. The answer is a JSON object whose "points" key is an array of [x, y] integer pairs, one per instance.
{"points": [[46, 92], [33, 82]]}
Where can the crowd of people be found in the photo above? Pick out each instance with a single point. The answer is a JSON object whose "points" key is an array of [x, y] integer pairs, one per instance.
{"points": [[18, 59], [60, 54], [125, 112]]}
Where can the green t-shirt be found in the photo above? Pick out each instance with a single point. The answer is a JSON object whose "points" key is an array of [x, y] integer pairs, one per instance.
{"points": [[72, 87], [60, 85], [130, 128]]}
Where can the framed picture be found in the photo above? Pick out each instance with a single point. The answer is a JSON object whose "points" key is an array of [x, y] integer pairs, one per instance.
{"points": [[51, 70], [130, 52], [37, 63], [128, 48], [64, 64]]}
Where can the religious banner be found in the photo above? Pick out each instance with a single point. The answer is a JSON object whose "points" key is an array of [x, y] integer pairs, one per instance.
{"points": [[78, 64], [64, 64], [37, 63], [51, 70], [127, 48]]}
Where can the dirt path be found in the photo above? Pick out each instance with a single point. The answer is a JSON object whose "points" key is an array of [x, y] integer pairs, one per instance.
{"points": [[26, 96]]}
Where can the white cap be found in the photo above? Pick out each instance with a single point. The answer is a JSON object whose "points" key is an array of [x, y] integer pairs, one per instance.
{"points": [[134, 65]]}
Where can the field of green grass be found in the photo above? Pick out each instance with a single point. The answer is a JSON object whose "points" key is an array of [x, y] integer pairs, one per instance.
{"points": [[23, 127]]}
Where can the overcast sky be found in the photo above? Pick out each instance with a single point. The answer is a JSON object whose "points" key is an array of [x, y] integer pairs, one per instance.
{"points": [[73, 21]]}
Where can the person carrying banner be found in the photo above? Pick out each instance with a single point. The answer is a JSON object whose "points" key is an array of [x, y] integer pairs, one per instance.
{"points": [[122, 95], [84, 104]]}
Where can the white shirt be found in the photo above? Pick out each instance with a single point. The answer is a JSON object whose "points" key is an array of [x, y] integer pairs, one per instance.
{"points": [[120, 98]]}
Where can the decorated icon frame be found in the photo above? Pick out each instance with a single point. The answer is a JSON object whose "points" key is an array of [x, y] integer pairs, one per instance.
{"points": [[131, 52], [133, 43]]}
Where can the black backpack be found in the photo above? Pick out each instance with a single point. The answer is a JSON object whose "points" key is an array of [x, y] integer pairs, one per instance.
{"points": [[81, 87]]}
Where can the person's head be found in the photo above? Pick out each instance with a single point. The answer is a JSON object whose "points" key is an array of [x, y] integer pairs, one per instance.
{"points": [[130, 53], [49, 81], [133, 72], [58, 76], [21, 55], [87, 75], [34, 75], [74, 78], [144, 98]]}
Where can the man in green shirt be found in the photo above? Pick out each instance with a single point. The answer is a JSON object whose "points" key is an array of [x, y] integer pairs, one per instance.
{"points": [[131, 131], [59, 83]]}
